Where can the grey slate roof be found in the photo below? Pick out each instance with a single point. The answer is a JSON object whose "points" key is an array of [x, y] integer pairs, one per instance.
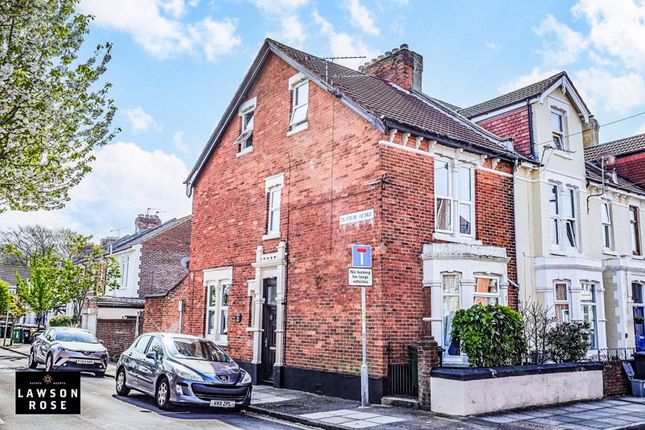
{"points": [[511, 98], [625, 146], [594, 174], [136, 238], [8, 273], [384, 104]]}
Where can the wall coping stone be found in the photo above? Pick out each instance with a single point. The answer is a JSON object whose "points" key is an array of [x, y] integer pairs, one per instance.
{"points": [[475, 373]]}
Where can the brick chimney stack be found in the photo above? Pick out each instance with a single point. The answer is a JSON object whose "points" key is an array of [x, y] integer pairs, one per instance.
{"points": [[400, 66], [144, 222]]}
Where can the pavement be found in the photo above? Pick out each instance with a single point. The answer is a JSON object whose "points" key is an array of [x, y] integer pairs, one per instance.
{"points": [[331, 413]]}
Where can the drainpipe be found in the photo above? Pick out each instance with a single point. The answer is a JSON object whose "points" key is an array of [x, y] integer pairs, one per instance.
{"points": [[602, 173], [136, 325], [180, 306], [518, 261]]}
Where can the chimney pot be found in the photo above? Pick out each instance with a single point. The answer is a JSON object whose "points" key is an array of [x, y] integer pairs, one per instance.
{"points": [[400, 66], [404, 46], [145, 221]]}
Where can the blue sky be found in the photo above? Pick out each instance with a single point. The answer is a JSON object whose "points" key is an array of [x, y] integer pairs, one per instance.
{"points": [[176, 63]]}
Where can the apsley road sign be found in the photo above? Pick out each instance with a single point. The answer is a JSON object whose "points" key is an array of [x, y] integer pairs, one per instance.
{"points": [[361, 256], [359, 277]]}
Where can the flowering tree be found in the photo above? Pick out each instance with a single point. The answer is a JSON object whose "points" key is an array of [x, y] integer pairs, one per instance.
{"points": [[53, 110]]}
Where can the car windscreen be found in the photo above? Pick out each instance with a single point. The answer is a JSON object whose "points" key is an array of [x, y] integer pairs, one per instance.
{"points": [[75, 336], [196, 349]]}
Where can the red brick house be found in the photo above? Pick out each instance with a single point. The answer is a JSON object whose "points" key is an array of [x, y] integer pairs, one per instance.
{"points": [[310, 158], [629, 153]]}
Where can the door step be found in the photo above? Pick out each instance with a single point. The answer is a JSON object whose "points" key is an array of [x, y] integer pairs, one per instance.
{"points": [[401, 401]]}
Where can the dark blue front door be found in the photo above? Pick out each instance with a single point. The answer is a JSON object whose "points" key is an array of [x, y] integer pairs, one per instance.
{"points": [[639, 328]]}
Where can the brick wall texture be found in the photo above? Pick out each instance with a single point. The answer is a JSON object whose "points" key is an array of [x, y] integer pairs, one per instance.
{"points": [[513, 124], [336, 166], [160, 256], [614, 379], [117, 334], [162, 313], [632, 167]]}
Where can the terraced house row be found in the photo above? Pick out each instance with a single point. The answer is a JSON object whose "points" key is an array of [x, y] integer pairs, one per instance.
{"points": [[512, 199]]}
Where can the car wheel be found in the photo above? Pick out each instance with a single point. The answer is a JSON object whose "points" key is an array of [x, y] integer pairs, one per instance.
{"points": [[49, 363], [32, 363], [162, 394], [121, 388]]}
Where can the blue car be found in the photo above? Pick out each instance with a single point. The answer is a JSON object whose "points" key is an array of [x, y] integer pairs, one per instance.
{"points": [[182, 369]]}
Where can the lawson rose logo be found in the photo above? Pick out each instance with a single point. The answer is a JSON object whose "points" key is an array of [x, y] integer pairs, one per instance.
{"points": [[48, 393]]}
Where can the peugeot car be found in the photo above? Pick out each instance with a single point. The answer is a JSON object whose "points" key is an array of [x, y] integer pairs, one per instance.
{"points": [[182, 369], [68, 348]]}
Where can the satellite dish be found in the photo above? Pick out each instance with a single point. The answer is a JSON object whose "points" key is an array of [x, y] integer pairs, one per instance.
{"points": [[184, 262], [609, 159]]}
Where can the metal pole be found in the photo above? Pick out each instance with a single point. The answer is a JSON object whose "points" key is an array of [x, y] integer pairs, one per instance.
{"points": [[6, 325], [364, 374]]}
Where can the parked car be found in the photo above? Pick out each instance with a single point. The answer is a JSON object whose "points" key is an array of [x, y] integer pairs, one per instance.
{"points": [[182, 369], [68, 348]]}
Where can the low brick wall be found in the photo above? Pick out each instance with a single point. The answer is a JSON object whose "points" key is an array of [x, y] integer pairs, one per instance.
{"points": [[614, 379], [117, 334], [428, 358]]}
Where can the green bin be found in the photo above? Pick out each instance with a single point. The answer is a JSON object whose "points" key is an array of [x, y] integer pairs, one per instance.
{"points": [[17, 335]]}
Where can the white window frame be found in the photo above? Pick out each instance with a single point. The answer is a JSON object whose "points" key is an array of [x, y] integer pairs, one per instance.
{"points": [[635, 230], [562, 302], [477, 294], [567, 198], [445, 343], [298, 81], [561, 134], [606, 218], [593, 335], [245, 139], [219, 309], [454, 200], [273, 189], [125, 271], [554, 216]]}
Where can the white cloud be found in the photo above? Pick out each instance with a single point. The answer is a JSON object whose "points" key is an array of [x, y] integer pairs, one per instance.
{"points": [[179, 143], [534, 75], [285, 12], [641, 130], [561, 44], [492, 45], [292, 31], [342, 44], [125, 181], [361, 17], [603, 89], [156, 25], [141, 121], [279, 6]]}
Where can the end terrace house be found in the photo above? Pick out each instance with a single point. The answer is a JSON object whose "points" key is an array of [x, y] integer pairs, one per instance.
{"points": [[311, 157], [578, 220]]}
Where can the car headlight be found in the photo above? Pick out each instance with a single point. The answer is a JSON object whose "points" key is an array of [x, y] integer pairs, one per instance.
{"points": [[186, 373], [246, 379]]}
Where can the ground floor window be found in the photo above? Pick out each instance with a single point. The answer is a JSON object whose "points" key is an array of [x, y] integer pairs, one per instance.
{"points": [[588, 304], [217, 310], [451, 304], [562, 302], [486, 290]]}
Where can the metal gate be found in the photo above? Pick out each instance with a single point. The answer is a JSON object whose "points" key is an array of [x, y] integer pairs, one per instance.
{"points": [[403, 378]]}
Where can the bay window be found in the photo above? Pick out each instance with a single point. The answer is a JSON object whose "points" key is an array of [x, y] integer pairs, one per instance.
{"points": [[486, 290], [588, 304], [451, 304], [454, 199], [635, 232], [562, 302], [554, 210], [605, 216]]}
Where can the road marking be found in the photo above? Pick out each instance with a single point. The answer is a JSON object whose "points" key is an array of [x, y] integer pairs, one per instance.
{"points": [[1, 422]]}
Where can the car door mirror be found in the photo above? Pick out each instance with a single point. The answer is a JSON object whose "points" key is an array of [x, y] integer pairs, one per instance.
{"points": [[152, 355]]}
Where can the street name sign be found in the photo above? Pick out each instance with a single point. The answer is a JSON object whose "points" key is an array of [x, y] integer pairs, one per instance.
{"points": [[356, 217]]}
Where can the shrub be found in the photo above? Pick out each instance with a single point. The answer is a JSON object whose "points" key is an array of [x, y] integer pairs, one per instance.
{"points": [[568, 342], [491, 335], [537, 320], [62, 321]]}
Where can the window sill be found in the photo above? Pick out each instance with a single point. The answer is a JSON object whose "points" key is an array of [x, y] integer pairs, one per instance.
{"points": [[447, 237], [270, 236], [298, 128], [611, 252], [221, 342], [245, 151], [563, 154]]}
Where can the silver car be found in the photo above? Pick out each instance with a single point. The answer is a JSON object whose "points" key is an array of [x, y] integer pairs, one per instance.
{"points": [[68, 348], [182, 369]]}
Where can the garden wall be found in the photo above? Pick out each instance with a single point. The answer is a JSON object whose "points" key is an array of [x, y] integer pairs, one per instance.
{"points": [[614, 379], [472, 391]]}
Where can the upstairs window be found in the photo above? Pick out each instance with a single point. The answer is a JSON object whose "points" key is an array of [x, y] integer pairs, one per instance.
{"points": [[247, 115], [605, 216], [300, 102], [273, 224], [558, 127], [563, 215], [454, 199], [635, 232], [125, 271]]}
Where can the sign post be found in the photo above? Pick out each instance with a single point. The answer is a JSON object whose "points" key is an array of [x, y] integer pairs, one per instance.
{"points": [[360, 274]]}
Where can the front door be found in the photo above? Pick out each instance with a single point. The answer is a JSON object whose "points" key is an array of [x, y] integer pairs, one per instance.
{"points": [[639, 328], [269, 316]]}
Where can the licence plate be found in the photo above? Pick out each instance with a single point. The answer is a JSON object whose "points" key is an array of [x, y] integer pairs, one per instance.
{"points": [[222, 403], [85, 361]]}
